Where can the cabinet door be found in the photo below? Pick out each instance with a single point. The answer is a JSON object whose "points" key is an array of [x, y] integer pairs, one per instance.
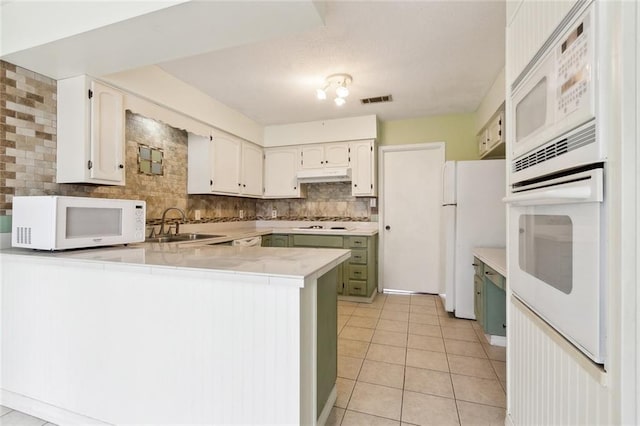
{"points": [[481, 139], [336, 155], [495, 132], [251, 169], [199, 164], [280, 167], [362, 169], [478, 286], [279, 241], [312, 157], [107, 134], [495, 309], [226, 164]]}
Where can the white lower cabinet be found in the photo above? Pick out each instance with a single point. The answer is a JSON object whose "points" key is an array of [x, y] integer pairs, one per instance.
{"points": [[280, 167], [90, 133], [223, 164]]}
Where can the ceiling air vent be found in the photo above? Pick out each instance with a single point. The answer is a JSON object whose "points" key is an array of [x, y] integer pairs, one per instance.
{"points": [[376, 100]]}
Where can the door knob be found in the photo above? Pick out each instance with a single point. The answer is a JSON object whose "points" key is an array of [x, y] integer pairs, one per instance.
{"points": [[387, 227]]}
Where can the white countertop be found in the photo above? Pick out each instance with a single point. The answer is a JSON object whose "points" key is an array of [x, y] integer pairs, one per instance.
{"points": [[239, 230], [494, 257], [279, 262]]}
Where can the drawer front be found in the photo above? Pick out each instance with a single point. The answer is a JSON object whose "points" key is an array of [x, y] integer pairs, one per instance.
{"points": [[357, 272], [478, 266], [493, 276], [358, 256], [279, 241], [329, 241], [355, 242], [357, 288]]}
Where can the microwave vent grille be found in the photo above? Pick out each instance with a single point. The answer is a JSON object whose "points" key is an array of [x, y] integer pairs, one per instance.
{"points": [[572, 142], [23, 234]]}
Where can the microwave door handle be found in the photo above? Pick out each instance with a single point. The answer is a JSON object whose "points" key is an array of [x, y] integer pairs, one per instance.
{"points": [[552, 196]]}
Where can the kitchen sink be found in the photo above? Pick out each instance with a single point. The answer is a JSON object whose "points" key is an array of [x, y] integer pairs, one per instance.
{"points": [[181, 238]]}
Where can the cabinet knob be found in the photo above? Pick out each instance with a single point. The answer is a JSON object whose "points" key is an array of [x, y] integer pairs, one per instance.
{"points": [[488, 273], [355, 185], [474, 264], [210, 182], [388, 228], [477, 292], [121, 166], [239, 184], [244, 186], [295, 187]]}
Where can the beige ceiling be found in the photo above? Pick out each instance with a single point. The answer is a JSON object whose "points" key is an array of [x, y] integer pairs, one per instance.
{"points": [[433, 57]]}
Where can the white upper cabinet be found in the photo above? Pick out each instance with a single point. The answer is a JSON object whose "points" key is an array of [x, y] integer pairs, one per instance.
{"points": [[252, 165], [200, 164], [363, 169], [325, 155], [91, 143], [491, 139], [227, 152], [223, 164], [336, 155], [495, 133], [280, 167]]}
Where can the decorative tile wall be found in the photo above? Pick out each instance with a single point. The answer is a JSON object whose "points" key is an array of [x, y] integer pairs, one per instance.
{"points": [[28, 164], [325, 201], [27, 134]]}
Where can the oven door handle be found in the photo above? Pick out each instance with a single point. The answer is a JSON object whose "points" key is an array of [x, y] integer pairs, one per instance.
{"points": [[552, 196]]}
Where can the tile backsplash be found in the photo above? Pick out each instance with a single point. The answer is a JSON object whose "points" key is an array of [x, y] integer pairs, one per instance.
{"points": [[28, 164]]}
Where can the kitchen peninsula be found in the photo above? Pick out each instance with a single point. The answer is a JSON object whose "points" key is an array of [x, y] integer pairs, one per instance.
{"points": [[170, 334]]}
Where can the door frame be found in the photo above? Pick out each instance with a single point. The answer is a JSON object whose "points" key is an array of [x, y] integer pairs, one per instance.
{"points": [[381, 196]]}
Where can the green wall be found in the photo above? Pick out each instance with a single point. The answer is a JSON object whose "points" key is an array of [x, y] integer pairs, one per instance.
{"points": [[456, 130]]}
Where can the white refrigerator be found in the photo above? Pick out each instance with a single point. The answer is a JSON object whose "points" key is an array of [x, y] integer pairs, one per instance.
{"points": [[473, 215]]}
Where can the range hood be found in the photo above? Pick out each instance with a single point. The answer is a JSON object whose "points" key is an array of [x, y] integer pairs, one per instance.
{"points": [[328, 174]]}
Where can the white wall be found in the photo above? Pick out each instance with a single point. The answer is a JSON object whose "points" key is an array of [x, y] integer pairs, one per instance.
{"points": [[50, 21], [342, 129], [156, 85], [490, 103]]}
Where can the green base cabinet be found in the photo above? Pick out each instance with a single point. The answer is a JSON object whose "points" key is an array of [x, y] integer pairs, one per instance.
{"points": [[489, 299], [356, 277], [327, 338]]}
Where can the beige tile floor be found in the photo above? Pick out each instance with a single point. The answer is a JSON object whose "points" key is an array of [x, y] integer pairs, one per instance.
{"points": [[404, 360], [9, 417]]}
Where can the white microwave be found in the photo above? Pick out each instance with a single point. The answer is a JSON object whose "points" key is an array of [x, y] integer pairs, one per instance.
{"points": [[59, 223], [553, 104]]}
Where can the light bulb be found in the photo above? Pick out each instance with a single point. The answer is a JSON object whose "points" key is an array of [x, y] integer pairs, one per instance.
{"points": [[342, 91], [321, 94], [339, 101]]}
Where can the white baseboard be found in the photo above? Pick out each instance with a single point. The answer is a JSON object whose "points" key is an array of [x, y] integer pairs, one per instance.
{"points": [[44, 411], [496, 340]]}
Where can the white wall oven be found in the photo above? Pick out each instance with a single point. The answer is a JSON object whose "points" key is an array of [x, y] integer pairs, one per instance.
{"points": [[556, 234], [556, 202]]}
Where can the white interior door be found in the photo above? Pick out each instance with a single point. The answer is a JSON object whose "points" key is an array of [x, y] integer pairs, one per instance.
{"points": [[410, 201]]}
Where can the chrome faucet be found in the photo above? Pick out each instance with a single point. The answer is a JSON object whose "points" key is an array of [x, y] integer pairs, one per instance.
{"points": [[164, 214]]}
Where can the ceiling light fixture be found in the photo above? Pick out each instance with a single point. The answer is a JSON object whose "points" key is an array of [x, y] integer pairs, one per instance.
{"points": [[340, 82]]}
